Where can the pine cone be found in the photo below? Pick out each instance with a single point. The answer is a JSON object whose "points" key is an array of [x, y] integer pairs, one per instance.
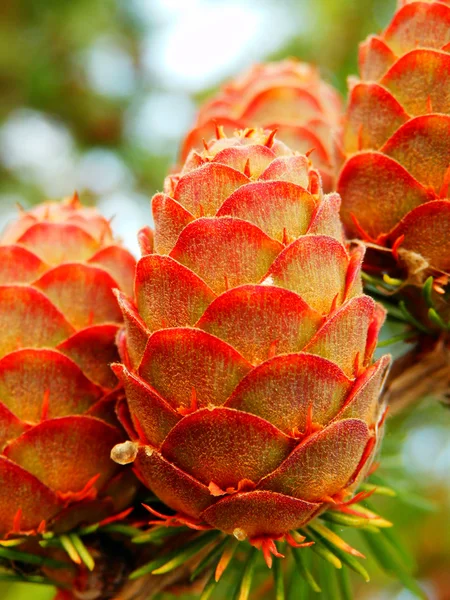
{"points": [[58, 320], [253, 402], [394, 183], [288, 96]]}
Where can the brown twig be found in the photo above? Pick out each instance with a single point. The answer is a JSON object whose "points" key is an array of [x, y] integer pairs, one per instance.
{"points": [[418, 374]]}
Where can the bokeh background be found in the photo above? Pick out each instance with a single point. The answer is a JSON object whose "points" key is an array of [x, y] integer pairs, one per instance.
{"points": [[96, 95]]}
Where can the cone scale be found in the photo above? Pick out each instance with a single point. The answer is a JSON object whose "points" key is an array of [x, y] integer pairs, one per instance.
{"points": [[252, 396], [58, 320], [288, 96], [394, 182]]}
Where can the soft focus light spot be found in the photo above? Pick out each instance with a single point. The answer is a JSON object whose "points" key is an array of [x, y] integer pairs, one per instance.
{"points": [[378, 595], [158, 121], [391, 593], [109, 69], [130, 212], [407, 595], [161, 10], [198, 48], [101, 172], [29, 139], [390, 330], [40, 150], [9, 208], [426, 453]]}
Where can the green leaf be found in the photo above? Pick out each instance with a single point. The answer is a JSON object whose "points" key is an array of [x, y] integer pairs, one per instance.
{"points": [[227, 557], [12, 542], [331, 536], [151, 566], [402, 552], [405, 495], [397, 547], [52, 543], [411, 319], [384, 553], [392, 309], [89, 529], [406, 335], [372, 517], [378, 490]]}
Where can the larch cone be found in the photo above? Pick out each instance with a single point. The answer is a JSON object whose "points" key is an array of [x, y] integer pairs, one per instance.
{"points": [[253, 402], [394, 182], [59, 264], [289, 96]]}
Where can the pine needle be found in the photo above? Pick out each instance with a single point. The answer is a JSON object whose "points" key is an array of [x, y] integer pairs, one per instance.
{"points": [[347, 559], [188, 551], [334, 539], [15, 578], [170, 559], [68, 546], [208, 559], [278, 579], [243, 591], [32, 559], [209, 588], [345, 586], [300, 561], [226, 558], [389, 560], [157, 534], [12, 542], [378, 490], [83, 552], [323, 551]]}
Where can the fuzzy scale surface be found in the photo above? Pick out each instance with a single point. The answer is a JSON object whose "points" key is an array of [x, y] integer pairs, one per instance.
{"points": [[59, 317], [395, 180], [289, 96], [252, 396]]}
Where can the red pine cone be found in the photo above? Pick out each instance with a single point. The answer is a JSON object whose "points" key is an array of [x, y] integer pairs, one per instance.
{"points": [[395, 181], [288, 96], [253, 401], [59, 265]]}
